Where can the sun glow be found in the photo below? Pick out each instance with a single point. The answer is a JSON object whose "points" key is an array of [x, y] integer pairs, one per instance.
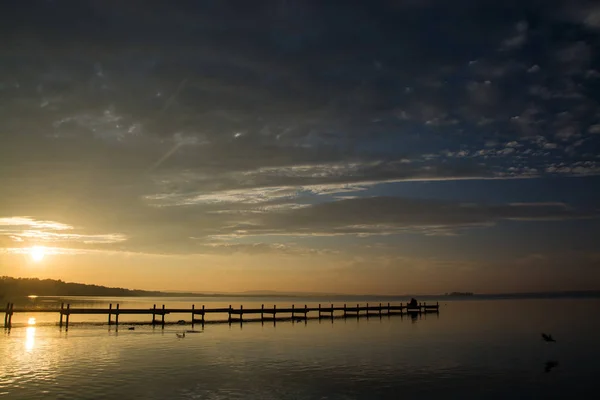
{"points": [[37, 253]]}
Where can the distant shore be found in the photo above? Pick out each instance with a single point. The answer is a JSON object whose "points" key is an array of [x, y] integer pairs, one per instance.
{"points": [[22, 287]]}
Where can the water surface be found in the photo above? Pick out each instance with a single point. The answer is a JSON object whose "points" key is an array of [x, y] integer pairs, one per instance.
{"points": [[472, 349]]}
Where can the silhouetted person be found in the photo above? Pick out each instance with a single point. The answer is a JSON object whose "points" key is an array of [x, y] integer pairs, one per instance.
{"points": [[413, 303]]}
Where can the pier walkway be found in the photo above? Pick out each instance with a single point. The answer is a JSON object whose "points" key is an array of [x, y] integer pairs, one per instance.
{"points": [[233, 314]]}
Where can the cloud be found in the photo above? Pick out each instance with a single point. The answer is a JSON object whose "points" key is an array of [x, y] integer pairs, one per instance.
{"points": [[26, 222], [594, 129], [286, 183], [291, 249], [518, 39], [213, 232], [586, 13], [580, 168], [26, 229], [249, 196], [575, 57], [389, 215]]}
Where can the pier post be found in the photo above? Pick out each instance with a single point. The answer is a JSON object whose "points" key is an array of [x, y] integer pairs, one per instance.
{"points": [[292, 313], [109, 312], [305, 312], [62, 306], [117, 317], [379, 310], [367, 310], [10, 314], [229, 319], [241, 313], [274, 313], [357, 311], [193, 315], [68, 315], [202, 315], [332, 313], [388, 309], [163, 316], [154, 315], [319, 310], [344, 310], [262, 313]]}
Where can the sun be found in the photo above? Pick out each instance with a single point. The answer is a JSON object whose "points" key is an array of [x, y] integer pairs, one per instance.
{"points": [[37, 253]]}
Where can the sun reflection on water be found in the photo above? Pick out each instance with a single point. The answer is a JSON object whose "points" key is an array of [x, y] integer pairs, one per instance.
{"points": [[29, 338]]}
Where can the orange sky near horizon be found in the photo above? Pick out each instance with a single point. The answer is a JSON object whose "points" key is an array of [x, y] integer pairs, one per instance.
{"points": [[313, 273]]}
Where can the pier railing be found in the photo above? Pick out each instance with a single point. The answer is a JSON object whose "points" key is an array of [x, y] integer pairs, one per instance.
{"points": [[233, 314]]}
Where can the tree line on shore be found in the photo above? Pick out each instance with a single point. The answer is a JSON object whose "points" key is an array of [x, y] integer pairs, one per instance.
{"points": [[17, 287]]}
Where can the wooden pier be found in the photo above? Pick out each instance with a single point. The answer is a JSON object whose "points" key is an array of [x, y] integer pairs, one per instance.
{"points": [[197, 315]]}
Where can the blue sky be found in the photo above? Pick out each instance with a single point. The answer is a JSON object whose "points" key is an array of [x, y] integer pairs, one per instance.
{"points": [[455, 142]]}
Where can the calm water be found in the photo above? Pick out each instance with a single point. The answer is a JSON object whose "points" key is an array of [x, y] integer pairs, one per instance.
{"points": [[473, 349]]}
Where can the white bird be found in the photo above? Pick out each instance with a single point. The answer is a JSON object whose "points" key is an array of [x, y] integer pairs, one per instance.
{"points": [[180, 335]]}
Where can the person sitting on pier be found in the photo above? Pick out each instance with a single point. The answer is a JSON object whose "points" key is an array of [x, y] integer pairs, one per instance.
{"points": [[413, 303]]}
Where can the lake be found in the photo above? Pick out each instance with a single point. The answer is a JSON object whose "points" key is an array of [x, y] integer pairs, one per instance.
{"points": [[472, 349]]}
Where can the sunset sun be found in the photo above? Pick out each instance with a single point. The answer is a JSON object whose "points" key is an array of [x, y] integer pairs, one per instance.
{"points": [[37, 253]]}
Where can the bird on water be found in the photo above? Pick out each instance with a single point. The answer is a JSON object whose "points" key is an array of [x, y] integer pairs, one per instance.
{"points": [[550, 365], [180, 335], [548, 338]]}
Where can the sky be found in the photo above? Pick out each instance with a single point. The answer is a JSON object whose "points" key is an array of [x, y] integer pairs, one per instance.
{"points": [[381, 147]]}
